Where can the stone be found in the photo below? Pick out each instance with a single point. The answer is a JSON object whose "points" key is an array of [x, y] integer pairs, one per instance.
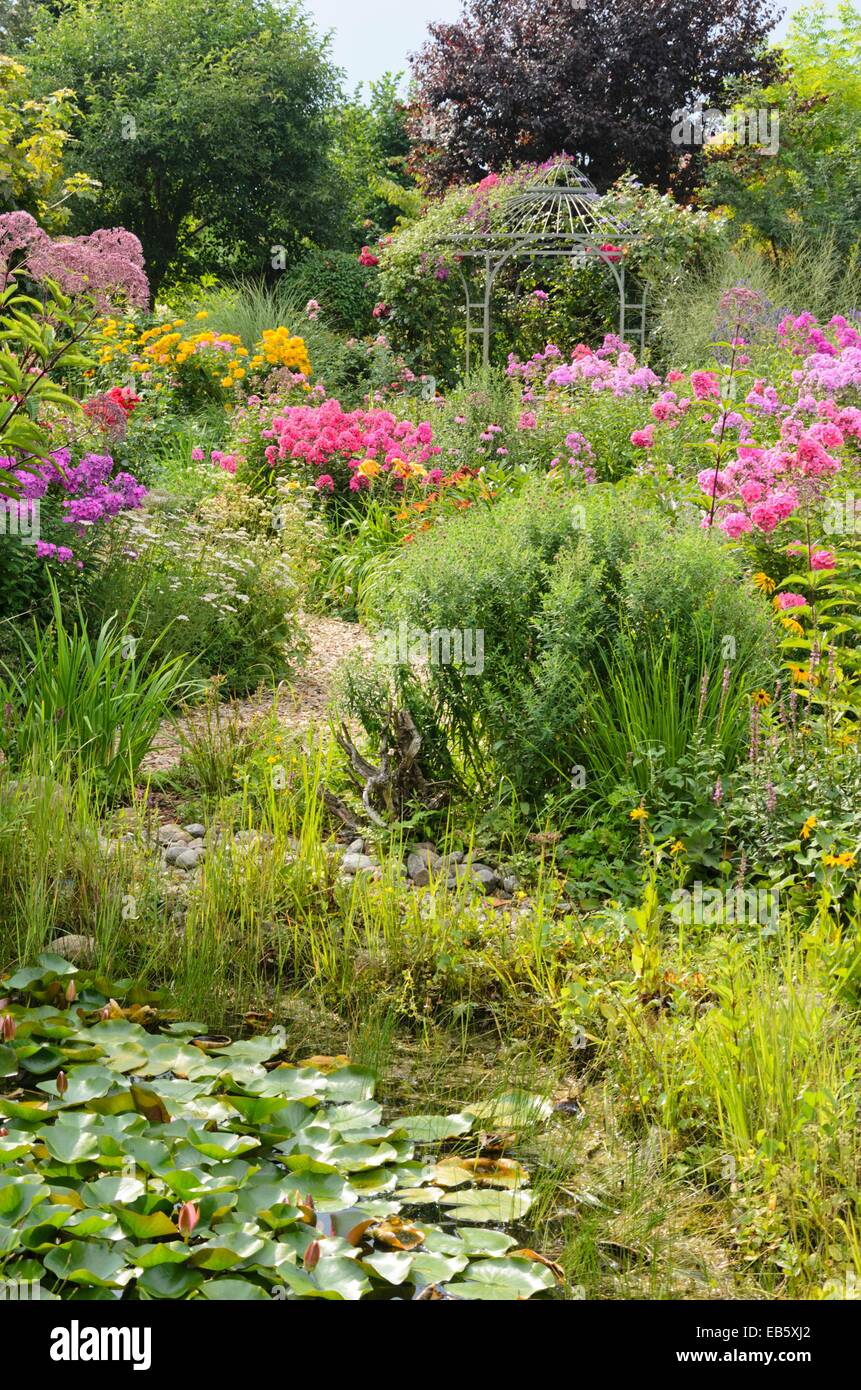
{"points": [[74, 948], [173, 852], [422, 863], [195, 830], [356, 863], [189, 859], [485, 876], [510, 884], [171, 834], [356, 847]]}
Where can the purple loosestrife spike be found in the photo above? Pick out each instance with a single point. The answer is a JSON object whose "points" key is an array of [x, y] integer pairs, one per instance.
{"points": [[754, 733], [717, 794], [704, 690]]}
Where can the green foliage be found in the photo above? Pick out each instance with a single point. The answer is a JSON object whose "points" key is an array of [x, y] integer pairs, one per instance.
{"points": [[207, 125], [211, 582], [369, 157], [93, 699], [37, 337], [345, 290], [225, 1175], [812, 184], [33, 146], [571, 600]]}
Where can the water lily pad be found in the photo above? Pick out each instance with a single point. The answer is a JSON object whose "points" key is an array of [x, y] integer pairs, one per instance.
{"points": [[86, 1262], [169, 1280], [493, 1172], [430, 1129], [504, 1278], [473, 1204], [274, 1164], [235, 1290]]}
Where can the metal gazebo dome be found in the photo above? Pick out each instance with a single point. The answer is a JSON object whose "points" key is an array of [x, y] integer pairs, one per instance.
{"points": [[559, 213]]}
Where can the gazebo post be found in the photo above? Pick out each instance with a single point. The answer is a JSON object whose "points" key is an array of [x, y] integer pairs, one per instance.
{"points": [[489, 277]]}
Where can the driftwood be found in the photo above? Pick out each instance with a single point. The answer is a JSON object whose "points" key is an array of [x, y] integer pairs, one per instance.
{"points": [[399, 780]]}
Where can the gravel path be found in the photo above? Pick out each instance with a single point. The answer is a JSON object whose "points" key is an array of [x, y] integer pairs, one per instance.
{"points": [[299, 707]]}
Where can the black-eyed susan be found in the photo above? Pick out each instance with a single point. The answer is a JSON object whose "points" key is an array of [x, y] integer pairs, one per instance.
{"points": [[809, 824], [764, 582], [839, 861]]}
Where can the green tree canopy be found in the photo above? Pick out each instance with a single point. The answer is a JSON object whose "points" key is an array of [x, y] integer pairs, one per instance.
{"points": [[35, 173], [811, 187], [207, 122]]}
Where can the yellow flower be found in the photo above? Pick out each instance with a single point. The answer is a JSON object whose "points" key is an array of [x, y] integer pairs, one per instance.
{"points": [[639, 813], [203, 314], [800, 674], [677, 847], [761, 698], [808, 825], [369, 468], [839, 861], [764, 583], [793, 625]]}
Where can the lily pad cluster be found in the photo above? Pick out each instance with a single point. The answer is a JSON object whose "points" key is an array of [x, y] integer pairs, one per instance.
{"points": [[141, 1158]]}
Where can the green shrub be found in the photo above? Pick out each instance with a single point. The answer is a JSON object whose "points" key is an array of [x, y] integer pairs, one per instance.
{"points": [[345, 290], [214, 580], [591, 616]]}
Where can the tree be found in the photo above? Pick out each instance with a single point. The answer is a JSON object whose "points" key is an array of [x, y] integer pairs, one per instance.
{"points": [[206, 121], [370, 155], [18, 19], [518, 80], [810, 188], [34, 137]]}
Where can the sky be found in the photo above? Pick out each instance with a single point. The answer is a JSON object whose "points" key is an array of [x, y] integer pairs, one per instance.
{"points": [[375, 36]]}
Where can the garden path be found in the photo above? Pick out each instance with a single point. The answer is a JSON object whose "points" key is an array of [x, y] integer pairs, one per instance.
{"points": [[300, 706]]}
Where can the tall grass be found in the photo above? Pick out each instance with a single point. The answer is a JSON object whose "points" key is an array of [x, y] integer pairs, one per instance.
{"points": [[812, 276], [93, 699], [646, 711], [247, 307]]}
